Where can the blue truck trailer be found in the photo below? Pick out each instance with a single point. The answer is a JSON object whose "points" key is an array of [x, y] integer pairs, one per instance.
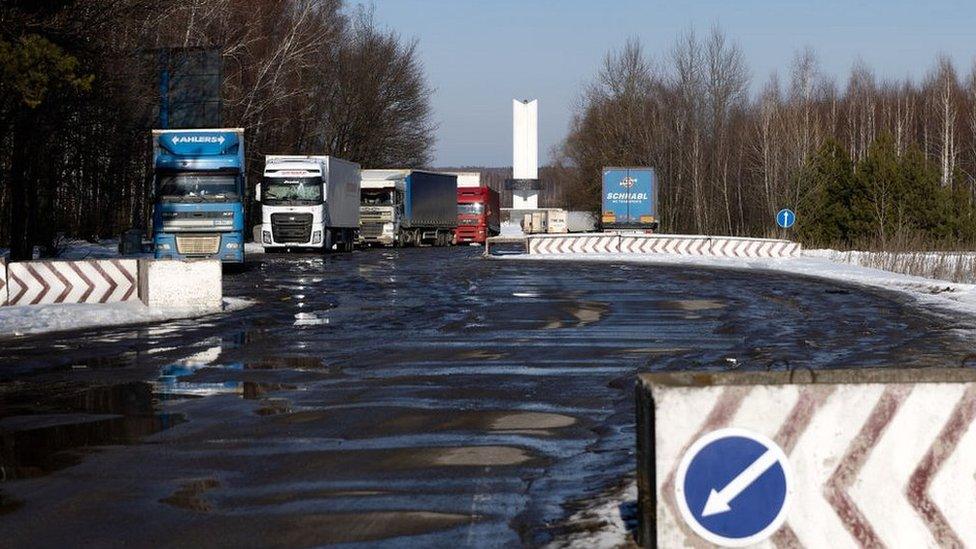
{"points": [[629, 199], [199, 185], [407, 208]]}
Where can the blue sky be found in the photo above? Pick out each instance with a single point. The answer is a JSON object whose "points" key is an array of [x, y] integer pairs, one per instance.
{"points": [[479, 54]]}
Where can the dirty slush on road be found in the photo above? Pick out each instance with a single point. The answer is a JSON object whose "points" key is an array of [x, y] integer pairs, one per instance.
{"points": [[397, 397]]}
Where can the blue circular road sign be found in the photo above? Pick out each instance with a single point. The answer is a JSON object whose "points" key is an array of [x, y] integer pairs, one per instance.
{"points": [[733, 487], [785, 218]]}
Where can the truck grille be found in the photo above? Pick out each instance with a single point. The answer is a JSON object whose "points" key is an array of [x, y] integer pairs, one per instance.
{"points": [[371, 230], [294, 228], [375, 216], [198, 245]]}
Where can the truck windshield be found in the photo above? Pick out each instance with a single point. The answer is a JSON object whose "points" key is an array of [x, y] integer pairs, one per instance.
{"points": [[199, 186], [473, 208], [378, 197], [293, 190]]}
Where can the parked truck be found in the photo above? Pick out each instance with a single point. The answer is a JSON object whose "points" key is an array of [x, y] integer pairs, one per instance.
{"points": [[407, 208], [629, 199], [309, 202], [199, 186], [544, 221], [477, 214]]}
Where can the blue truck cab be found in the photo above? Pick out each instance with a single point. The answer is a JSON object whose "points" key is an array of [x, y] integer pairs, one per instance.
{"points": [[199, 185]]}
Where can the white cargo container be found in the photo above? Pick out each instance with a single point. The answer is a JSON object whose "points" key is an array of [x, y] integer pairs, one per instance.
{"points": [[556, 223], [580, 222], [309, 202]]}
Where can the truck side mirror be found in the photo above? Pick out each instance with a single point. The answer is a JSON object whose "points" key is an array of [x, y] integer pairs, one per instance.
{"points": [[257, 192]]}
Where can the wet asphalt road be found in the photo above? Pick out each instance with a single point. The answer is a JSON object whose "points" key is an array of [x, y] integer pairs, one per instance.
{"points": [[415, 397]]}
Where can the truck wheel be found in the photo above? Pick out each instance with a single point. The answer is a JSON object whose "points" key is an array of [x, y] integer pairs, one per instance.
{"points": [[327, 241]]}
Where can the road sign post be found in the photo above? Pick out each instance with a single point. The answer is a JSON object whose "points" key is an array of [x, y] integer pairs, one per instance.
{"points": [[785, 218]]}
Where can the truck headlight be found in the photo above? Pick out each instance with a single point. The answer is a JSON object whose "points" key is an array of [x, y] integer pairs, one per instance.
{"points": [[317, 237], [266, 237], [388, 228]]}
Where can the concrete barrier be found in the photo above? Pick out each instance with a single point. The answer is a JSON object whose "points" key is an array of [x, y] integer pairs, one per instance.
{"points": [[845, 458], [692, 245], [3, 281], [182, 284], [89, 281]]}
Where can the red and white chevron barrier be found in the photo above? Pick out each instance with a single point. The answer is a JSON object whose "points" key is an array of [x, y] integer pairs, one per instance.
{"points": [[689, 245], [90, 281], [878, 458], [3, 281], [574, 244]]}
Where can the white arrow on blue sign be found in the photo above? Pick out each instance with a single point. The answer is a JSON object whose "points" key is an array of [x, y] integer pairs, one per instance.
{"points": [[734, 487], [785, 218]]}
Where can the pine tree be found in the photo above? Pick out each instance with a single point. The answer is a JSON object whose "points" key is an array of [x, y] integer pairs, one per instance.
{"points": [[824, 214]]}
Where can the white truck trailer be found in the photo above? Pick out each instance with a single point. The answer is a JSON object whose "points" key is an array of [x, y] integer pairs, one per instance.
{"points": [[309, 202]]}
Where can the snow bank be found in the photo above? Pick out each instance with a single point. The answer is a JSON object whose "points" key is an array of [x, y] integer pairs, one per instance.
{"points": [[952, 266], [927, 292], [82, 249], [37, 319]]}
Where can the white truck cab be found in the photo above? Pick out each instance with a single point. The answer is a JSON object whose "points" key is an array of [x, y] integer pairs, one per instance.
{"points": [[309, 202]]}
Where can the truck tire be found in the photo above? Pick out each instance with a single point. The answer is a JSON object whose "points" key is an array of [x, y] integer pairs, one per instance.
{"points": [[327, 241], [350, 240]]}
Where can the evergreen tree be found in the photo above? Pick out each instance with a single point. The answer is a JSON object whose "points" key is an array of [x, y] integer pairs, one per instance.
{"points": [[824, 214]]}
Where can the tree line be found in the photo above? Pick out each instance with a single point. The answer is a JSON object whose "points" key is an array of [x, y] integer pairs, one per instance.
{"points": [[864, 161], [79, 94]]}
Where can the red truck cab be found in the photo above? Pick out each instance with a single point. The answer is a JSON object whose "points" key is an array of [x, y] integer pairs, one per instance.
{"points": [[478, 214]]}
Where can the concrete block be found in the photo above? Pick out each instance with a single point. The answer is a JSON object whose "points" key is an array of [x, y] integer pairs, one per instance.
{"points": [[181, 284], [865, 458]]}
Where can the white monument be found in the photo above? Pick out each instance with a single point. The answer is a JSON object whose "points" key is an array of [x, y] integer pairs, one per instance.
{"points": [[525, 155]]}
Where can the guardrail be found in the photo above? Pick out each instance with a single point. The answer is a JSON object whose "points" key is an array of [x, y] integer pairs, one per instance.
{"points": [[864, 458]]}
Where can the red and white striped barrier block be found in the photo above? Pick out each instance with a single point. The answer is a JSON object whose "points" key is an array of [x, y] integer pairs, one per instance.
{"points": [[574, 244], [876, 458], [685, 245], [90, 281], [3, 281]]}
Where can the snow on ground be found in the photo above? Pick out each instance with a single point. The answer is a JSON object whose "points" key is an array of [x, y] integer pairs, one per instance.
{"points": [[82, 249], [953, 266], [509, 228], [927, 292], [37, 319], [610, 522]]}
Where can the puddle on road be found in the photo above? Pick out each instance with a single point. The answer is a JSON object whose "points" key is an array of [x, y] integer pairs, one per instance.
{"points": [[692, 305], [61, 428], [470, 456], [286, 362], [190, 495]]}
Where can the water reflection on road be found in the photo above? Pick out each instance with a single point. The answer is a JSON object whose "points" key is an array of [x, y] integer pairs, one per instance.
{"points": [[423, 397]]}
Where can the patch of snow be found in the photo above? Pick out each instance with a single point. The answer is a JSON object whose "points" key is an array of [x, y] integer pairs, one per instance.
{"points": [[82, 249], [610, 522], [38, 319], [927, 292], [510, 228]]}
